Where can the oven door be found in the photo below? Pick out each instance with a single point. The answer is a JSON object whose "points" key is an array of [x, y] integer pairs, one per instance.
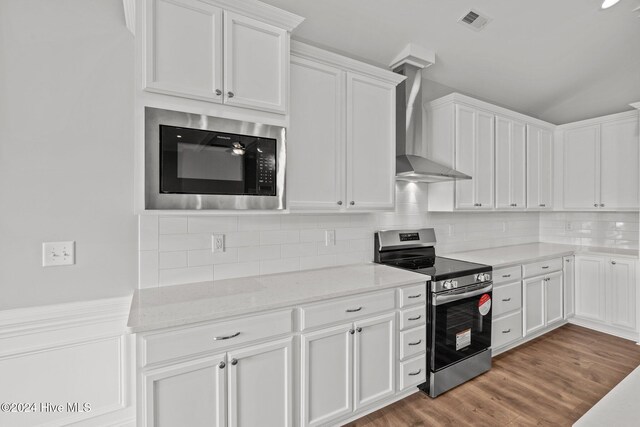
{"points": [[460, 324]]}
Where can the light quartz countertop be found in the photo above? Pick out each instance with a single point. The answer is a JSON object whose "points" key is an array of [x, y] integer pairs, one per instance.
{"points": [[178, 305], [506, 256]]}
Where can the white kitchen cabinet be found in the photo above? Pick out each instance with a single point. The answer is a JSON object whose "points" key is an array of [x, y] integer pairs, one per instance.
{"points": [[590, 287], [326, 374], [186, 394], [316, 138], [510, 163], [621, 290], [600, 163], [568, 279], [542, 302], [539, 168], [201, 50], [341, 138], [260, 383], [474, 144], [374, 360]]}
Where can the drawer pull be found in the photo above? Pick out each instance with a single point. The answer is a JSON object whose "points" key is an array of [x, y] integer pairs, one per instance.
{"points": [[506, 299], [353, 310], [359, 329], [413, 374], [415, 343], [234, 362], [507, 331], [414, 296], [416, 318], [506, 275], [221, 365], [226, 337], [544, 267], [351, 331]]}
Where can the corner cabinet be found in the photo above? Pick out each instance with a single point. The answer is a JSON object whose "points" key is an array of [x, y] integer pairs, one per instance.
{"points": [[341, 137], [209, 51], [539, 168]]}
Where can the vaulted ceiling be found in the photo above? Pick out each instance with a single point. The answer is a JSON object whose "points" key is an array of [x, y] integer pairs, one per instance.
{"points": [[558, 60]]}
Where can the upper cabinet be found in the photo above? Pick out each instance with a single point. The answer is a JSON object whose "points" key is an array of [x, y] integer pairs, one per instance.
{"points": [[215, 52], [508, 156], [341, 137], [539, 168], [600, 164]]}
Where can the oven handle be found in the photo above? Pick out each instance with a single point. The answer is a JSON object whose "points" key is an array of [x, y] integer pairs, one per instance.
{"points": [[444, 299]]}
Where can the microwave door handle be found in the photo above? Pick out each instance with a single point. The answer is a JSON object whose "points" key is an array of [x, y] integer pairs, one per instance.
{"points": [[444, 299]]}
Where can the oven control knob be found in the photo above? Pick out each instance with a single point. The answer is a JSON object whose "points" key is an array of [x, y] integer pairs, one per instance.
{"points": [[484, 277], [450, 284]]}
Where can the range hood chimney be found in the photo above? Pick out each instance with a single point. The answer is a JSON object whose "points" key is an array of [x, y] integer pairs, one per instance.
{"points": [[411, 165]]}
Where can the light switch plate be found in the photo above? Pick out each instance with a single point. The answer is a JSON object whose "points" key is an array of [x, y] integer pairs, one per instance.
{"points": [[329, 237], [58, 253], [217, 243]]}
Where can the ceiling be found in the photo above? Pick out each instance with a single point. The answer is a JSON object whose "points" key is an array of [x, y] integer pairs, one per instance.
{"points": [[559, 61]]}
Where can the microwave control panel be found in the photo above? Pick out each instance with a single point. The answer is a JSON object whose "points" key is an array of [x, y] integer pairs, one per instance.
{"points": [[266, 169]]}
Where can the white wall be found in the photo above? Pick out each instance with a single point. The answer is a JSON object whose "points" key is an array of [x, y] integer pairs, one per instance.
{"points": [[66, 149]]}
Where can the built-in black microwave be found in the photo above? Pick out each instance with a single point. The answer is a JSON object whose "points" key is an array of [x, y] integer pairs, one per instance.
{"points": [[202, 162]]}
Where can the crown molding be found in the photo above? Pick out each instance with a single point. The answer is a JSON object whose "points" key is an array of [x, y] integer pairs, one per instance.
{"points": [[632, 114], [130, 15], [636, 105]]}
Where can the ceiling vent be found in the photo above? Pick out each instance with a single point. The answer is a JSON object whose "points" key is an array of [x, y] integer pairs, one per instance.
{"points": [[474, 20]]}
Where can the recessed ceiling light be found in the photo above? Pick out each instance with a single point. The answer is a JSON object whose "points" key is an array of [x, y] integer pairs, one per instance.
{"points": [[179, 136], [606, 4]]}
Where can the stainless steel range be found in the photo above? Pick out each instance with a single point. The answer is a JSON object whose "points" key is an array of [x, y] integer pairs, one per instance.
{"points": [[458, 307]]}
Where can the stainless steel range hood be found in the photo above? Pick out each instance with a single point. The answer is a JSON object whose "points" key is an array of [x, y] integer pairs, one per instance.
{"points": [[411, 165]]}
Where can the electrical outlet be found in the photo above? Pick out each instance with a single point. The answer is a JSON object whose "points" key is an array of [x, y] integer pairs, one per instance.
{"points": [[329, 237], [568, 226], [217, 243], [58, 253]]}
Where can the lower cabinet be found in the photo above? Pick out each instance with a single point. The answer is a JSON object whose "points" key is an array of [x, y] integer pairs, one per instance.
{"points": [[347, 367], [568, 277], [245, 387], [542, 301], [605, 290]]}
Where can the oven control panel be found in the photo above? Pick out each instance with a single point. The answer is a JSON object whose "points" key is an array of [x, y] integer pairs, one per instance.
{"points": [[483, 277]]}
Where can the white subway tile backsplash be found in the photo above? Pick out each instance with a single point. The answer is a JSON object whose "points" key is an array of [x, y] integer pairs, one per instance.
{"points": [[258, 222], [175, 259], [207, 257], [279, 265], [318, 261], [241, 269], [147, 269], [204, 224], [242, 238], [173, 225], [183, 242], [292, 250], [147, 233], [278, 237], [176, 276], [312, 235], [257, 253]]}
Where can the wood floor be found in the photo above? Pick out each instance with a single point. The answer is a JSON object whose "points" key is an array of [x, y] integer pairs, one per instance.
{"points": [[550, 381]]}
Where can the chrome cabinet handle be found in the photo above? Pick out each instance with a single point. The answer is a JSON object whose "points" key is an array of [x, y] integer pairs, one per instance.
{"points": [[414, 296], [218, 92], [221, 365], [506, 275], [567, 260], [234, 362], [413, 374], [340, 202], [351, 331], [477, 204], [602, 205], [415, 343], [353, 310], [506, 299], [613, 262], [543, 205], [230, 94], [359, 329], [226, 337], [352, 203], [415, 318], [507, 331], [544, 267], [595, 205]]}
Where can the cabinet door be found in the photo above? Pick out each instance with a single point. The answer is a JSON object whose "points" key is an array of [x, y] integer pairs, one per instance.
{"points": [[510, 164], [374, 366], [256, 64], [260, 385], [581, 168], [568, 279], [186, 394], [371, 136], [539, 168], [553, 298], [315, 137], [590, 287], [619, 165], [533, 303], [183, 51], [621, 293], [326, 375], [475, 157]]}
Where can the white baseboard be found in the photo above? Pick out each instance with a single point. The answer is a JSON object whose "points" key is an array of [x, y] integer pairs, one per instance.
{"points": [[495, 352], [66, 353], [607, 329]]}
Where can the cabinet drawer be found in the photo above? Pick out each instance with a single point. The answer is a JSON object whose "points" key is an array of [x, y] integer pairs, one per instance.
{"points": [[413, 295], [215, 336], [506, 330], [345, 309], [509, 274], [412, 342], [542, 267], [411, 317], [413, 372], [507, 298]]}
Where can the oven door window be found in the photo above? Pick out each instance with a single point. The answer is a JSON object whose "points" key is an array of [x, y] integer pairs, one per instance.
{"points": [[195, 161], [459, 330]]}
